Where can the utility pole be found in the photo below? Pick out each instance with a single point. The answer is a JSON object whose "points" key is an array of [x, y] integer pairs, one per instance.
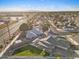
{"points": [[7, 23]]}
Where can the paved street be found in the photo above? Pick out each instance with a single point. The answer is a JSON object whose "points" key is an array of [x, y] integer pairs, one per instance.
{"points": [[13, 28]]}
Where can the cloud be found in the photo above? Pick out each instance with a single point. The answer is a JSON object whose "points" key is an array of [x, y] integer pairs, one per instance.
{"points": [[30, 8]]}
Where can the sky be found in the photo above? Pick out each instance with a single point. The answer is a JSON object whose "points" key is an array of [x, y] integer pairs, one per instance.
{"points": [[39, 5]]}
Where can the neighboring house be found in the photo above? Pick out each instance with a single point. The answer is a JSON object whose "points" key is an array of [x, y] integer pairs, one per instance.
{"points": [[68, 28], [30, 35], [59, 42], [51, 33], [35, 32], [4, 20], [54, 45]]}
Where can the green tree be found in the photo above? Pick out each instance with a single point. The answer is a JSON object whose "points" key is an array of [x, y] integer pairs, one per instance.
{"points": [[42, 53], [1, 46], [25, 27], [29, 24]]}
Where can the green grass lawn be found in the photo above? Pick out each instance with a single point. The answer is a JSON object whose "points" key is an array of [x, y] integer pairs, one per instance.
{"points": [[30, 51]]}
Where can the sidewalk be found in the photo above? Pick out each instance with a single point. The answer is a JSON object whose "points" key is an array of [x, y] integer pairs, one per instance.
{"points": [[72, 40]]}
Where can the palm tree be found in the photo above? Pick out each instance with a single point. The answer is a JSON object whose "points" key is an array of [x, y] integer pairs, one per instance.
{"points": [[45, 26]]}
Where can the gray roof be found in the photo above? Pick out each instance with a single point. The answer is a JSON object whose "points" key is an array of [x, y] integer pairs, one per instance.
{"points": [[59, 42], [35, 32], [30, 34]]}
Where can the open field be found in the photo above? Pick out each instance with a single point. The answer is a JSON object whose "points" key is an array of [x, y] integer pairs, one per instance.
{"points": [[4, 25]]}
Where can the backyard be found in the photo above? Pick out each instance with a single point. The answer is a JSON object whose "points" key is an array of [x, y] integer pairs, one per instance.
{"points": [[30, 51]]}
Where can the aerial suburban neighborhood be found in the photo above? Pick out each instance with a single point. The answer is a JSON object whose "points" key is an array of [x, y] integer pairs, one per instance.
{"points": [[39, 35], [39, 29]]}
